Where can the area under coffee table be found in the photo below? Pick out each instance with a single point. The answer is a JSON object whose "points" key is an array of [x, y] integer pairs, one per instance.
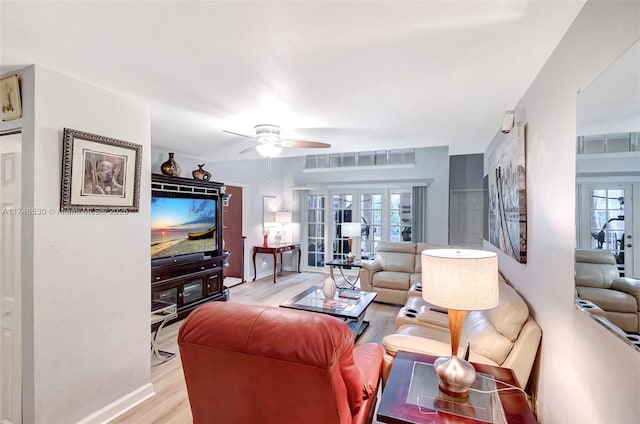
{"points": [[350, 309]]}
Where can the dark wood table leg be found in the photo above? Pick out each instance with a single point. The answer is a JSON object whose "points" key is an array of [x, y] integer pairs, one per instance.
{"points": [[299, 257], [275, 266], [255, 274]]}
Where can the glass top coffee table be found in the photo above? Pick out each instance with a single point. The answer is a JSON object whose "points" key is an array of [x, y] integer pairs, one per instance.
{"points": [[352, 308]]}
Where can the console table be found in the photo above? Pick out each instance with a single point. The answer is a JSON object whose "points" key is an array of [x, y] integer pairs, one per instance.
{"points": [[275, 250]]}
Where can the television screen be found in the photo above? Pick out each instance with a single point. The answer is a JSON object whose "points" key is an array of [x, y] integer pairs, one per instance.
{"points": [[180, 226]]}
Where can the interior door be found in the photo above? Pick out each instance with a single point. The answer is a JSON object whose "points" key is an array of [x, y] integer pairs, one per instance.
{"points": [[233, 232], [465, 218], [10, 279]]}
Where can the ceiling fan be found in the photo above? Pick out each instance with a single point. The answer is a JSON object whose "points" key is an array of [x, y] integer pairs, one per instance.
{"points": [[270, 144]]}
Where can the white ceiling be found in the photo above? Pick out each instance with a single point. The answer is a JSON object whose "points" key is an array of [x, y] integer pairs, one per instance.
{"points": [[359, 75]]}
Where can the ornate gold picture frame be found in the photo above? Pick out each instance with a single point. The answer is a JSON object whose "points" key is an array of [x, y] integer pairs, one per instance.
{"points": [[10, 95]]}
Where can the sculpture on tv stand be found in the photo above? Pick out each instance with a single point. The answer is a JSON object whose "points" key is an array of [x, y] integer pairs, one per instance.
{"points": [[200, 174], [170, 167]]}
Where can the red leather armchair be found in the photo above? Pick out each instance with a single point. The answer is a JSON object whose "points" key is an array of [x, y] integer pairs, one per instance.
{"points": [[260, 364]]}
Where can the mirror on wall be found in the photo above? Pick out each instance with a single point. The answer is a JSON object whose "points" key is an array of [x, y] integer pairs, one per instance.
{"points": [[607, 260], [269, 208]]}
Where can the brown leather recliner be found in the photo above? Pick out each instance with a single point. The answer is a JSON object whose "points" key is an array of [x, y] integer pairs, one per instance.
{"points": [[260, 364]]}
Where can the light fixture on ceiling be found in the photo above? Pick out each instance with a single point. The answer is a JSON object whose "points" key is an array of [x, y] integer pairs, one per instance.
{"points": [[269, 150]]}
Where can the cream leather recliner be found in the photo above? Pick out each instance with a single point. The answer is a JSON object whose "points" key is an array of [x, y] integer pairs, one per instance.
{"points": [[506, 336], [396, 267], [598, 280]]}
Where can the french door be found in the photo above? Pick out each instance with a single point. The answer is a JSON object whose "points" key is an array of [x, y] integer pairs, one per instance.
{"points": [[384, 214], [606, 221]]}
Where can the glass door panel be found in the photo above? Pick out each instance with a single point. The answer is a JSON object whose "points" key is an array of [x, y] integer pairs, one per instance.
{"points": [[315, 229], [399, 216], [342, 212], [371, 221], [608, 222]]}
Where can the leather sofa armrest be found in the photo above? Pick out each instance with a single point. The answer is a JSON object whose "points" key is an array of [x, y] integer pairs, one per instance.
{"points": [[628, 285], [368, 359], [366, 274], [373, 266]]}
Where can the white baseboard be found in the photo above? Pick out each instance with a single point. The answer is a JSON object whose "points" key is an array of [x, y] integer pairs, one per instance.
{"points": [[120, 406]]}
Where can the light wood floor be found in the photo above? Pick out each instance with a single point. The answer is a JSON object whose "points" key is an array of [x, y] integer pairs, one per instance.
{"points": [[171, 405]]}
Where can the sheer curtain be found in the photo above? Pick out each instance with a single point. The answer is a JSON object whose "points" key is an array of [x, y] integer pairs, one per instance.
{"points": [[298, 215], [419, 214]]}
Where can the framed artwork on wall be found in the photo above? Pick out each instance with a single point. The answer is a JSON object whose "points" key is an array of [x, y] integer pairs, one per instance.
{"points": [[508, 195], [10, 94], [99, 173]]}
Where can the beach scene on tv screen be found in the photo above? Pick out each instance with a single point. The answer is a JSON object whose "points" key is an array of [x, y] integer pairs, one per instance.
{"points": [[180, 226]]}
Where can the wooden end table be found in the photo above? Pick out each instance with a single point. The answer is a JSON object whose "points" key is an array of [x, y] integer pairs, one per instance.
{"points": [[394, 408]]}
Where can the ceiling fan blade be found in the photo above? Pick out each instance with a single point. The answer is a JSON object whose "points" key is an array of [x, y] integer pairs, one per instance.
{"points": [[241, 135], [248, 149], [305, 144]]}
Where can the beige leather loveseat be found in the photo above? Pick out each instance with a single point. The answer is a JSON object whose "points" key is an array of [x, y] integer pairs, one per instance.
{"points": [[598, 280], [396, 267], [505, 336]]}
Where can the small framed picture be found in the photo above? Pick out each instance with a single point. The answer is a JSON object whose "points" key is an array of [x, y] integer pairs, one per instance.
{"points": [[11, 103], [99, 173]]}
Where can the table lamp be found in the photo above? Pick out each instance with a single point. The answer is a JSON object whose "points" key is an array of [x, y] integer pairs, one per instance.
{"points": [[282, 218], [350, 229], [460, 280]]}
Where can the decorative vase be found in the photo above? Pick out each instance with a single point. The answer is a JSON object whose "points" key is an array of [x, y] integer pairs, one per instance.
{"points": [[265, 237], [201, 174], [277, 237], [329, 288], [170, 167]]}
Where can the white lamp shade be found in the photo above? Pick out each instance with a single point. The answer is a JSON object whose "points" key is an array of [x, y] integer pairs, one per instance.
{"points": [[269, 150], [461, 279], [283, 217], [351, 229]]}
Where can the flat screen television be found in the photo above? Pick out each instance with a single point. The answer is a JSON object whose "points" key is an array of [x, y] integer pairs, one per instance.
{"points": [[183, 224]]}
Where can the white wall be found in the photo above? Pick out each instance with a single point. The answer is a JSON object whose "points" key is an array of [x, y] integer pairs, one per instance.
{"points": [[86, 277], [586, 374], [432, 166]]}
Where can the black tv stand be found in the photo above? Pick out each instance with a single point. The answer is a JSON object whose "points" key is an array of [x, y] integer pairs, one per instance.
{"points": [[189, 280], [182, 259]]}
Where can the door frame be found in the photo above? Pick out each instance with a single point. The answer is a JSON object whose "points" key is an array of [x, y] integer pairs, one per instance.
{"points": [[10, 280]]}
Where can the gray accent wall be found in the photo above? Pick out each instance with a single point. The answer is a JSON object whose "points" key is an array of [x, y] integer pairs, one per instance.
{"points": [[465, 172]]}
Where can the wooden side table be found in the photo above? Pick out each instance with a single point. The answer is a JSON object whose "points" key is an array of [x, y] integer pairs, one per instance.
{"points": [[275, 250], [394, 408]]}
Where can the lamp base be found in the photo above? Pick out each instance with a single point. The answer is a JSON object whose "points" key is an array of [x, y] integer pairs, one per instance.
{"points": [[456, 375]]}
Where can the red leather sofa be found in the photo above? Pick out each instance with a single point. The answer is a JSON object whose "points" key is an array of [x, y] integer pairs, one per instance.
{"points": [[260, 364]]}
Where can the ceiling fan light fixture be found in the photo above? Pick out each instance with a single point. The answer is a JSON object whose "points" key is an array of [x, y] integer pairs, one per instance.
{"points": [[269, 150]]}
